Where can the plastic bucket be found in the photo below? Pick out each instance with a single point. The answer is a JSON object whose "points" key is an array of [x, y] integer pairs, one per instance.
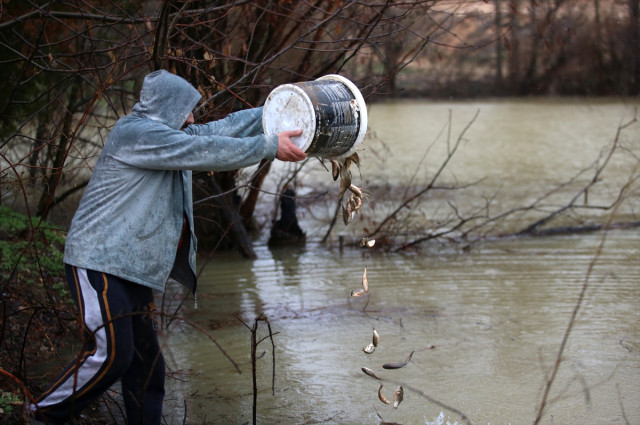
{"points": [[330, 111]]}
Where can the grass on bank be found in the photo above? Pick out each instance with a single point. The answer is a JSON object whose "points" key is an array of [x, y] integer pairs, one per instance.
{"points": [[35, 307]]}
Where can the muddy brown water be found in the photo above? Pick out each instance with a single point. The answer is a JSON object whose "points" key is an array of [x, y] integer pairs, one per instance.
{"points": [[485, 325]]}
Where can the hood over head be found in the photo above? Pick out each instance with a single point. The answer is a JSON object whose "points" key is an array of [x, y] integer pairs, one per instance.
{"points": [[167, 98]]}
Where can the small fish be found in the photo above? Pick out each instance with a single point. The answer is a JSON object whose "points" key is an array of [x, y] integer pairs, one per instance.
{"points": [[355, 203], [358, 203], [376, 338], [382, 397], [345, 215], [371, 373], [357, 292], [355, 159], [346, 163], [352, 205], [365, 281], [346, 177], [398, 365], [397, 397], [355, 189], [343, 188], [369, 348], [335, 169], [367, 242]]}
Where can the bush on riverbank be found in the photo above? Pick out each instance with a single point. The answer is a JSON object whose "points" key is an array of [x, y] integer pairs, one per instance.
{"points": [[36, 308]]}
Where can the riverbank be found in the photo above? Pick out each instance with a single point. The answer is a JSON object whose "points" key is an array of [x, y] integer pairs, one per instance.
{"points": [[415, 86], [38, 317]]}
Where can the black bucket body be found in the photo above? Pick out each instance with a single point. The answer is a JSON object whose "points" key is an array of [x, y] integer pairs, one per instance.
{"points": [[330, 111]]}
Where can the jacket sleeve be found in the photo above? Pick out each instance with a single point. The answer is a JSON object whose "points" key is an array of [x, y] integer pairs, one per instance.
{"points": [[157, 146], [243, 123]]}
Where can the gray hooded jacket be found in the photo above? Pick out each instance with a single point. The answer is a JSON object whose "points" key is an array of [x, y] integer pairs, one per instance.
{"points": [[130, 219]]}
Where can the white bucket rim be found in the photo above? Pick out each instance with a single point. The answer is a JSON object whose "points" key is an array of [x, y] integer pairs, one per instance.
{"points": [[306, 139], [272, 126]]}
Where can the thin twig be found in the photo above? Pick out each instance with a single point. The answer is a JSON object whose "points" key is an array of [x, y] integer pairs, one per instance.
{"points": [[576, 308], [431, 184]]}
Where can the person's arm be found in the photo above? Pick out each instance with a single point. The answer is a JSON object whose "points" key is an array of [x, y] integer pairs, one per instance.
{"points": [[243, 123], [156, 146], [249, 123]]}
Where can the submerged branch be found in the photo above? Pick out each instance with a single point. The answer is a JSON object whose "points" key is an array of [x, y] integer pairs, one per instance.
{"points": [[583, 191], [451, 152], [466, 225]]}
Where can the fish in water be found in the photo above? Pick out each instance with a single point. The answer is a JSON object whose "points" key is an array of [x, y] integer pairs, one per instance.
{"points": [[365, 281], [376, 338], [382, 397], [369, 348], [397, 397], [398, 365], [371, 373]]}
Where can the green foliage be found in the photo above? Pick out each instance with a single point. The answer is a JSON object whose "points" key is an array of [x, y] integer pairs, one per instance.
{"points": [[29, 249], [8, 401], [34, 297]]}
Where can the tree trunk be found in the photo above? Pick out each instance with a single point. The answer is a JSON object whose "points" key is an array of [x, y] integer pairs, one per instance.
{"points": [[229, 226], [514, 58], [498, 22], [249, 205], [634, 47], [50, 182]]}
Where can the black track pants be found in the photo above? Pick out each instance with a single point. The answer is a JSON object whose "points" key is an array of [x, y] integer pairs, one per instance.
{"points": [[121, 342]]}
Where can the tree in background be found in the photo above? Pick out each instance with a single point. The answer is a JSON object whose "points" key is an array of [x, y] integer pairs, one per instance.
{"points": [[535, 47], [71, 69]]}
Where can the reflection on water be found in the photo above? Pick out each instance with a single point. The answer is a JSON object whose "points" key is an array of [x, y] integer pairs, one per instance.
{"points": [[513, 154], [486, 325]]}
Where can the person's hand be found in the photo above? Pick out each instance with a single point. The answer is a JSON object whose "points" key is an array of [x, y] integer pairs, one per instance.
{"points": [[287, 150]]}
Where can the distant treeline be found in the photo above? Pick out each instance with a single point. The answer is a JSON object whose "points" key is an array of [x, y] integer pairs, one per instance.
{"points": [[71, 68], [524, 47]]}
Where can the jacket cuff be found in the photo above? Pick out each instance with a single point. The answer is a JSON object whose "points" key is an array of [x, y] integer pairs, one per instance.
{"points": [[272, 146]]}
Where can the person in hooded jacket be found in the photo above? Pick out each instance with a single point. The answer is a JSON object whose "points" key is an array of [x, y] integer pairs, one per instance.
{"points": [[133, 230]]}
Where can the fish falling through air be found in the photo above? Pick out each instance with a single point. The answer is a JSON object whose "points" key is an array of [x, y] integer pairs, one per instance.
{"points": [[365, 285], [397, 397], [333, 117]]}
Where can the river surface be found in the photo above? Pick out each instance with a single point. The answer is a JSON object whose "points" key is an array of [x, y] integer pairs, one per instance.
{"points": [[485, 323]]}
